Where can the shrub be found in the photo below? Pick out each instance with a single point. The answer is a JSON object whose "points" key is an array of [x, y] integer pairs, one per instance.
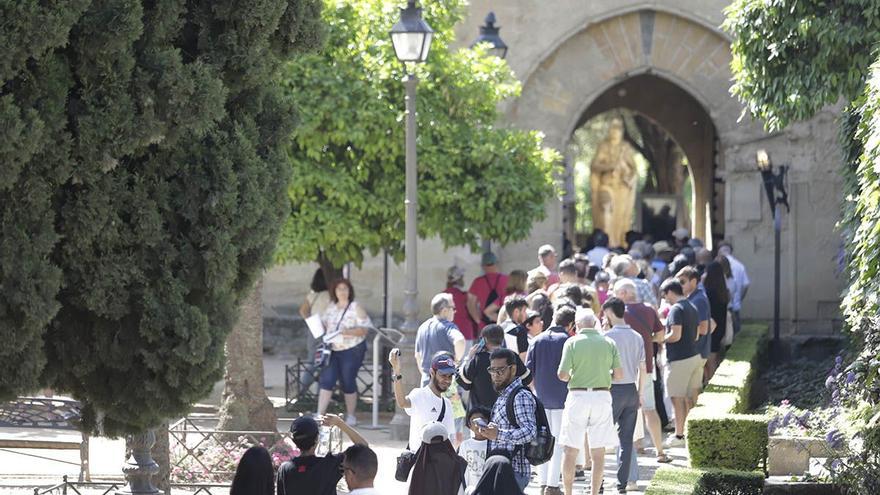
{"points": [[678, 481], [719, 434], [731, 441]]}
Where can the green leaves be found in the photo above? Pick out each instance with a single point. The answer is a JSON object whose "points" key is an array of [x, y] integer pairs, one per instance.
{"points": [[791, 57], [475, 180], [142, 190]]}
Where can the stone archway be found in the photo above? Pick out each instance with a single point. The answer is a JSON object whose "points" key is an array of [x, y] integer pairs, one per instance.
{"points": [[649, 55]]}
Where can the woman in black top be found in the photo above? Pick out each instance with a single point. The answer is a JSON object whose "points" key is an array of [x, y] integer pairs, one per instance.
{"points": [[719, 297]]}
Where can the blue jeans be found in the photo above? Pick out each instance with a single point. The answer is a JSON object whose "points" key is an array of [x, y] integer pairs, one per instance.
{"points": [[343, 367], [522, 480], [625, 406]]}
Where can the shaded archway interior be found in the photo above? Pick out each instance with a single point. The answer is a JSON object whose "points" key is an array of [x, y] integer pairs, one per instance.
{"points": [[687, 121]]}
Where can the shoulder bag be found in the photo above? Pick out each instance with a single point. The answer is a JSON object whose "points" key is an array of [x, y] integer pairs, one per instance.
{"points": [[323, 351], [407, 458]]}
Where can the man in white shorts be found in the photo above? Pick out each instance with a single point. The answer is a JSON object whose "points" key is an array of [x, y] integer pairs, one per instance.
{"points": [[589, 360]]}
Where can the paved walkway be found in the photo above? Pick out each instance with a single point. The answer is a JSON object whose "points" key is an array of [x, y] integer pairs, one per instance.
{"points": [[24, 472]]}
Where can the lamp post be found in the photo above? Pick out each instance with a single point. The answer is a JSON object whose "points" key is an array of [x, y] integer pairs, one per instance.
{"points": [[774, 186], [411, 37], [489, 34]]}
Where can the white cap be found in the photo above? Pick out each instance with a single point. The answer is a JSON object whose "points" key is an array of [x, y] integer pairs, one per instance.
{"points": [[585, 318], [434, 429]]}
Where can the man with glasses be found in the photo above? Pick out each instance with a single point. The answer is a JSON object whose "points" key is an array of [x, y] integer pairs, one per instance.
{"points": [[438, 334], [501, 432], [308, 474], [359, 467], [425, 404]]}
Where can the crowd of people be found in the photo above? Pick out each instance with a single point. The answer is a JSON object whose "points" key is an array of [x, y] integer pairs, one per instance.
{"points": [[602, 349]]}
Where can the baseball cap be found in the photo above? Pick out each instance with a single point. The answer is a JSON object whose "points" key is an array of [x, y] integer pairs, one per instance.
{"points": [[443, 364], [488, 259], [304, 430], [531, 314], [662, 247], [433, 430]]}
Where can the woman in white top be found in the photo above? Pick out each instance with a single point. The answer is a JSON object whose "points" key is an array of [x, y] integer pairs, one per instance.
{"points": [[345, 324]]}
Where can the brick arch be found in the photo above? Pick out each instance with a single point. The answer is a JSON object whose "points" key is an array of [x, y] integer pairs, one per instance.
{"points": [[606, 54]]}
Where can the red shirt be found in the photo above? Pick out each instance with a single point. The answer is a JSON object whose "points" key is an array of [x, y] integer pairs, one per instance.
{"points": [[482, 286], [462, 319], [643, 319]]}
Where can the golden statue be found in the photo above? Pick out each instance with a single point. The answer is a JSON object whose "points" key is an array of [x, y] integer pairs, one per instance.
{"points": [[613, 180]]}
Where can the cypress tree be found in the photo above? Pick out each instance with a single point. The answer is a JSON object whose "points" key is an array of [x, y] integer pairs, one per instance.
{"points": [[142, 186]]}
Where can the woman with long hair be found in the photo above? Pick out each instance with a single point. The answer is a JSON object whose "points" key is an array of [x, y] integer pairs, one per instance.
{"points": [[255, 474], [345, 325], [715, 285]]}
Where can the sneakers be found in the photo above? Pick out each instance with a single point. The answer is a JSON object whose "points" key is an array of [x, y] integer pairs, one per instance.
{"points": [[673, 441], [351, 420], [632, 485], [552, 490]]}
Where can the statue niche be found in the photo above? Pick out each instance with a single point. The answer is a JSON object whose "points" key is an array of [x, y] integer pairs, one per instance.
{"points": [[613, 180]]}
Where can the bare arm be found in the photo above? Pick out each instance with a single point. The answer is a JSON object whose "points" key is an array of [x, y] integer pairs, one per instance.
{"points": [[399, 396], [617, 373], [564, 376], [643, 377], [712, 325], [335, 420], [673, 334], [702, 328], [472, 308], [458, 344], [305, 309]]}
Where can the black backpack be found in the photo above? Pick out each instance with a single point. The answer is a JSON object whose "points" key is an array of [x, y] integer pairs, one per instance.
{"points": [[540, 449]]}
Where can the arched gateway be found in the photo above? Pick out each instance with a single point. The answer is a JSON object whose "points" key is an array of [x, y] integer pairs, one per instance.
{"points": [[669, 61]]}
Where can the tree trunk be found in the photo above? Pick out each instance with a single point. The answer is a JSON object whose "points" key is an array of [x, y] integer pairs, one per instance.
{"points": [[331, 271], [245, 406], [162, 455]]}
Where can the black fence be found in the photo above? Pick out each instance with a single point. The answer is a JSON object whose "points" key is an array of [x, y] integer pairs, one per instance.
{"points": [[301, 386], [67, 487]]}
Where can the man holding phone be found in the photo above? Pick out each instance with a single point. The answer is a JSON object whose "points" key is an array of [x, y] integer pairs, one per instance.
{"points": [[425, 404]]}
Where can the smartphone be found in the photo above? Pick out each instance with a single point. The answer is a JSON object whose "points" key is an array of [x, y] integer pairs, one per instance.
{"points": [[481, 423], [482, 343]]}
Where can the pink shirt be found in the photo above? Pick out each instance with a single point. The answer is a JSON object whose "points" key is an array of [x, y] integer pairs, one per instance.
{"points": [[482, 286]]}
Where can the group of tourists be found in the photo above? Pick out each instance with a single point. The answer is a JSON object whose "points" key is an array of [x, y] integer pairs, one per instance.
{"points": [[598, 349], [592, 352]]}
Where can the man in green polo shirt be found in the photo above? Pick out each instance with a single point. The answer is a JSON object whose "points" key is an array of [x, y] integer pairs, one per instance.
{"points": [[589, 361]]}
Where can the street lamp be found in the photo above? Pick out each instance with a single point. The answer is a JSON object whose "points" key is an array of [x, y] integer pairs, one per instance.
{"points": [[411, 37], [489, 34], [774, 186]]}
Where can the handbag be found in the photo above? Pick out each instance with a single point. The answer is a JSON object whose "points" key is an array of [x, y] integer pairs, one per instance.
{"points": [[407, 458], [491, 298], [728, 330], [323, 351]]}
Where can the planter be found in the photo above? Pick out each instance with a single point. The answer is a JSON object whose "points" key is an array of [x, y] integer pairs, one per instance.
{"points": [[789, 455], [800, 488]]}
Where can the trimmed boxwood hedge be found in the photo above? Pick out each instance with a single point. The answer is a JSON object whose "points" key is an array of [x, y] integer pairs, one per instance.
{"points": [[719, 434], [680, 481]]}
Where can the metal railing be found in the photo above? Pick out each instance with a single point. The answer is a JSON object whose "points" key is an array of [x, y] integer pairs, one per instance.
{"points": [[301, 379], [201, 454], [75, 487]]}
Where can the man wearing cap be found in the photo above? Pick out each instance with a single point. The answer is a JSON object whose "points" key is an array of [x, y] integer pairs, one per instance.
{"points": [[589, 360], [425, 404], [488, 291], [547, 264], [438, 333], [308, 474]]}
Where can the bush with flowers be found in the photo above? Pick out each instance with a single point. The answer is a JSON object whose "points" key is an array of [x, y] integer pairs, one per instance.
{"points": [[214, 461]]}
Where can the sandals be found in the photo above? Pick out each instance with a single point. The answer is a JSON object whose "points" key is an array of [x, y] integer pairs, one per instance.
{"points": [[664, 459]]}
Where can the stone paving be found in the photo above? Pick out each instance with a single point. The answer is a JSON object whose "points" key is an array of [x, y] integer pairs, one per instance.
{"points": [[19, 473]]}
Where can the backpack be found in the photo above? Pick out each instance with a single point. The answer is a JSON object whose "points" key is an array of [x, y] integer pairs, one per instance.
{"points": [[540, 449]]}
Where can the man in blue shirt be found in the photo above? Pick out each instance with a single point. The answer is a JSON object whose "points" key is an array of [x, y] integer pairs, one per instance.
{"points": [[501, 432], [543, 362], [689, 278]]}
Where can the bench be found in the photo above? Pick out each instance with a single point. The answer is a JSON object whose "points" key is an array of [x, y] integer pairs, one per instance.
{"points": [[43, 413]]}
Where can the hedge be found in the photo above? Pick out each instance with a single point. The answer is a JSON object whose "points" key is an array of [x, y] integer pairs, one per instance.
{"points": [[720, 435], [681, 481]]}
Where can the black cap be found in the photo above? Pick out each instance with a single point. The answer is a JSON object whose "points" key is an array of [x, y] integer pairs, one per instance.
{"points": [[304, 429]]}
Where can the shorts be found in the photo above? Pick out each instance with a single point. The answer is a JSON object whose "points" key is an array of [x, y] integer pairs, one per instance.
{"points": [[684, 376], [588, 413], [343, 367], [648, 402]]}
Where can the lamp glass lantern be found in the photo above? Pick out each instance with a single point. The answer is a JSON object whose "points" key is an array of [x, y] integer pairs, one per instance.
{"points": [[489, 34], [411, 35]]}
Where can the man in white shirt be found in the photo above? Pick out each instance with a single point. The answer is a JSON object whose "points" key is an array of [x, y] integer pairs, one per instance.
{"points": [[425, 404], [359, 467], [741, 282]]}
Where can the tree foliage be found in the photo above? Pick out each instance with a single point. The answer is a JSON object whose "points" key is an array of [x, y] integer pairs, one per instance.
{"points": [[141, 190], [792, 57], [476, 180]]}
